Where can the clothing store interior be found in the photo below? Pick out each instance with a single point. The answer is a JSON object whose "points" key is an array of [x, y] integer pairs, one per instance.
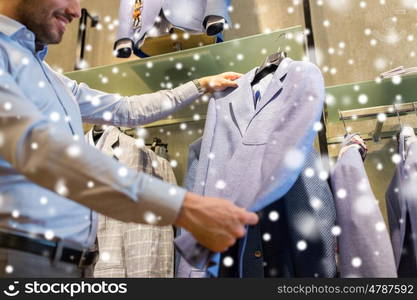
{"points": [[318, 138]]}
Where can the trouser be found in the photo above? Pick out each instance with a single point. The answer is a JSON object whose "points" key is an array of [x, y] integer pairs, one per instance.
{"points": [[15, 264]]}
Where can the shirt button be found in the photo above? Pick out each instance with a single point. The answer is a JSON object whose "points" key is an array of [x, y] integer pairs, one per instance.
{"points": [[258, 254]]}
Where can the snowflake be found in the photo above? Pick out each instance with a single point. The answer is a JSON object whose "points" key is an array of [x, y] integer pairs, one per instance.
{"points": [[228, 261], [336, 230], [54, 116], [364, 205], [196, 117], [220, 185], [105, 256], [150, 218], [301, 245], [173, 163], [396, 158], [61, 188], [316, 203], [396, 80], [74, 151], [15, 213], [294, 159], [172, 191], [9, 269], [309, 172], [273, 216], [356, 262], [363, 99], [323, 175], [43, 200], [266, 237], [107, 115], [49, 234], [380, 226], [318, 126], [122, 172]]}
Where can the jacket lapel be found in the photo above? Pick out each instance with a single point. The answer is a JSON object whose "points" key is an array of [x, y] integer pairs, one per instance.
{"points": [[241, 105]]}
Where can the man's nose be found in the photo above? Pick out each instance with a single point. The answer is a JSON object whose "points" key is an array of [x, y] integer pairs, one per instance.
{"points": [[74, 9]]}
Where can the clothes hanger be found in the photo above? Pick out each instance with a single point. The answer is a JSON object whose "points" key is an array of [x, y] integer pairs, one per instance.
{"points": [[270, 64], [98, 131], [401, 126], [98, 128], [344, 123], [128, 131], [398, 116]]}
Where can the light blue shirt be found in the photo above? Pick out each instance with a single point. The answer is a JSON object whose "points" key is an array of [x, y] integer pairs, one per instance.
{"points": [[44, 160]]}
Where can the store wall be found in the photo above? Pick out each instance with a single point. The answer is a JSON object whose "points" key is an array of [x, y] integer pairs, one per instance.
{"points": [[99, 40], [360, 39], [356, 40]]}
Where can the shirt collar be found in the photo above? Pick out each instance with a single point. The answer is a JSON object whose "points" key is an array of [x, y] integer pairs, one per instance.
{"points": [[19, 32]]}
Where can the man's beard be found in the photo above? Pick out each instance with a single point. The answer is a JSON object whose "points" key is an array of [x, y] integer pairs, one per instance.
{"points": [[34, 18]]}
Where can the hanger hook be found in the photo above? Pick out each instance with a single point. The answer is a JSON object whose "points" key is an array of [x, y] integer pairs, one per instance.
{"points": [[284, 34], [344, 123]]}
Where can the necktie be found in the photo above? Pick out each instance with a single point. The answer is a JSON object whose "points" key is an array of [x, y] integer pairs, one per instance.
{"points": [[257, 97]]}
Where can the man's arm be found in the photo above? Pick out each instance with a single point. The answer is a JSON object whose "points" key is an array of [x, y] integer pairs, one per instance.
{"points": [[130, 111]]}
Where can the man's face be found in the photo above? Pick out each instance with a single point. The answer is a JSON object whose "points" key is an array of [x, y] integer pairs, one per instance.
{"points": [[47, 18]]}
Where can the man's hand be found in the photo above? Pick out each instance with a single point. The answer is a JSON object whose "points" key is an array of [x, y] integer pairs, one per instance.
{"points": [[216, 223], [219, 82]]}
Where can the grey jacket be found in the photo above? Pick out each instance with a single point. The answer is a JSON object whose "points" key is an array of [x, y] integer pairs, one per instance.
{"points": [[365, 248], [253, 156]]}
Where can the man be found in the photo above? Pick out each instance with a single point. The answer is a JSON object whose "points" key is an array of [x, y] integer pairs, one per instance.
{"points": [[44, 160]]}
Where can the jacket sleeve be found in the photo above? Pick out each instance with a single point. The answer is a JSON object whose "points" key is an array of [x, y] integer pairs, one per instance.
{"points": [[76, 170]]}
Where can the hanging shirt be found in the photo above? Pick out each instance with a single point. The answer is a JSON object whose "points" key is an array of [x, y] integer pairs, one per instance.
{"points": [[401, 199]]}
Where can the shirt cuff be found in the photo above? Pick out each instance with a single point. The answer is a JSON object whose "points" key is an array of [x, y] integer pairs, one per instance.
{"points": [[161, 202]]}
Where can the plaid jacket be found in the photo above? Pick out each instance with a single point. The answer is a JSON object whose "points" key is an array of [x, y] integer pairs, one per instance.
{"points": [[130, 249]]}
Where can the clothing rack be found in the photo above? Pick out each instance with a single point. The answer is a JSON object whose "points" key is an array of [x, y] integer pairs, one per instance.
{"points": [[82, 31], [381, 113]]}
